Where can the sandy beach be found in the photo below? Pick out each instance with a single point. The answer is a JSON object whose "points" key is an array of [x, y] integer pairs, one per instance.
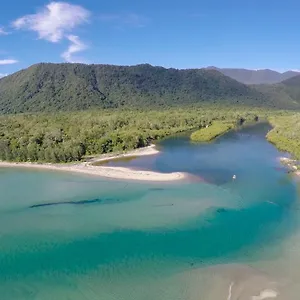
{"points": [[103, 171]]}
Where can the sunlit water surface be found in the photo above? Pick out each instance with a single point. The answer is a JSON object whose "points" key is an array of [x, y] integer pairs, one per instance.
{"points": [[64, 236]]}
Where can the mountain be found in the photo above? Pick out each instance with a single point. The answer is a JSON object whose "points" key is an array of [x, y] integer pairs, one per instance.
{"points": [[256, 76], [292, 82], [287, 91], [55, 87]]}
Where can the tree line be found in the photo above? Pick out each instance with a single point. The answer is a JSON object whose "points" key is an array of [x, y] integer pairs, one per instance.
{"points": [[67, 137]]}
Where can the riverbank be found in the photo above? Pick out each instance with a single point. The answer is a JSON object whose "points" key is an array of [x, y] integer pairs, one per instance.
{"points": [[89, 168], [292, 164], [285, 134], [145, 151]]}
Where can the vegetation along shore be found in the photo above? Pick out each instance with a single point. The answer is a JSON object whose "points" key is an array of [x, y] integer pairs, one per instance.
{"points": [[210, 132], [90, 168], [63, 113]]}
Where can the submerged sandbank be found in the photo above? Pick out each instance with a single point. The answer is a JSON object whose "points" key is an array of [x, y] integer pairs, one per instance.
{"points": [[103, 171]]}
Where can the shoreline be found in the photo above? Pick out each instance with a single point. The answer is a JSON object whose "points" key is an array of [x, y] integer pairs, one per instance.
{"points": [[145, 151], [104, 171], [292, 164]]}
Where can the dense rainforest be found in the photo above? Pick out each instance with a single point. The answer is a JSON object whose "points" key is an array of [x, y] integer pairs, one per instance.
{"points": [[67, 112], [65, 137], [70, 87]]}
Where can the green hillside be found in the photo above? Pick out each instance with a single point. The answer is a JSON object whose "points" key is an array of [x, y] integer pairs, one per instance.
{"points": [[292, 88], [264, 76], [56, 87], [120, 108], [285, 93]]}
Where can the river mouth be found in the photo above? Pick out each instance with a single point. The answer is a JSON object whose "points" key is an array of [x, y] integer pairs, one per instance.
{"points": [[216, 162], [67, 236]]}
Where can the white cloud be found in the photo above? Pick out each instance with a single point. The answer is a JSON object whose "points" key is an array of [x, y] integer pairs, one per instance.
{"points": [[54, 21], [8, 61], [3, 32], [76, 46], [2, 75]]}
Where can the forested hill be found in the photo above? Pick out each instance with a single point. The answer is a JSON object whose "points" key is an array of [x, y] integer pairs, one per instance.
{"points": [[288, 91], [265, 76], [55, 87]]}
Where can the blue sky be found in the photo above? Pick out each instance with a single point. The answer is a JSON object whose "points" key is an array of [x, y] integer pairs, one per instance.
{"points": [[180, 34]]}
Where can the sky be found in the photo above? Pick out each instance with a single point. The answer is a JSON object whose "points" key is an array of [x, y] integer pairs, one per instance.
{"points": [[171, 33]]}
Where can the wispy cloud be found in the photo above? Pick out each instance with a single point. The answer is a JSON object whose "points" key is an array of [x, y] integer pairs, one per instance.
{"points": [[126, 19], [8, 61], [3, 31], [54, 21], [76, 45], [2, 75]]}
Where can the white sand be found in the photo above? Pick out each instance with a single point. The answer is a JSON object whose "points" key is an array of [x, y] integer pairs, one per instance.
{"points": [[231, 282], [103, 171], [266, 294]]}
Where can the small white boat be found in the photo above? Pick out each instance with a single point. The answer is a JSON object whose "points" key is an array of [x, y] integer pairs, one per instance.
{"points": [[234, 177]]}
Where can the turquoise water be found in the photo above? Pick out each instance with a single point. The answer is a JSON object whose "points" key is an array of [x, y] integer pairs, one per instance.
{"points": [[64, 236]]}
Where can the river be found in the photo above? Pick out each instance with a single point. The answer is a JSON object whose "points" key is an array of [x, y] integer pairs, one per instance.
{"points": [[65, 236]]}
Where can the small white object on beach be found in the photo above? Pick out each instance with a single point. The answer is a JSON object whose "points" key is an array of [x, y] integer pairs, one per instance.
{"points": [[266, 294], [230, 291]]}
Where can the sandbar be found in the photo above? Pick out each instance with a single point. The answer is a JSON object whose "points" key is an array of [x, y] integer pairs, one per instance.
{"points": [[104, 171]]}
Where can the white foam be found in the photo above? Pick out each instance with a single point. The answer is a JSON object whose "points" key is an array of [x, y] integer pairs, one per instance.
{"points": [[265, 294], [230, 291]]}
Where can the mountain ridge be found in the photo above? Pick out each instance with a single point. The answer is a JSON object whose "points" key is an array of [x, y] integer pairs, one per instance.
{"points": [[286, 91], [67, 87], [261, 76]]}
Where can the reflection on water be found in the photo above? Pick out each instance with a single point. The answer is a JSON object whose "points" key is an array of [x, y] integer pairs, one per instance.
{"points": [[74, 237]]}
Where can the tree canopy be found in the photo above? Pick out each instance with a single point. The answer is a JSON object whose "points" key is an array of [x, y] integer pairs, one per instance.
{"points": [[70, 87]]}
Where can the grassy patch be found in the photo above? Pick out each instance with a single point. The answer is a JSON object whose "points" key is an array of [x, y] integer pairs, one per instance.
{"points": [[209, 133]]}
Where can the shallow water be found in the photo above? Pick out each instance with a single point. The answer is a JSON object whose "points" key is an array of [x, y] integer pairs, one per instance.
{"points": [[65, 236]]}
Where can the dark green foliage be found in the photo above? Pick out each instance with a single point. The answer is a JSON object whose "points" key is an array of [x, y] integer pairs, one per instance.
{"points": [[69, 87], [138, 104], [66, 137]]}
